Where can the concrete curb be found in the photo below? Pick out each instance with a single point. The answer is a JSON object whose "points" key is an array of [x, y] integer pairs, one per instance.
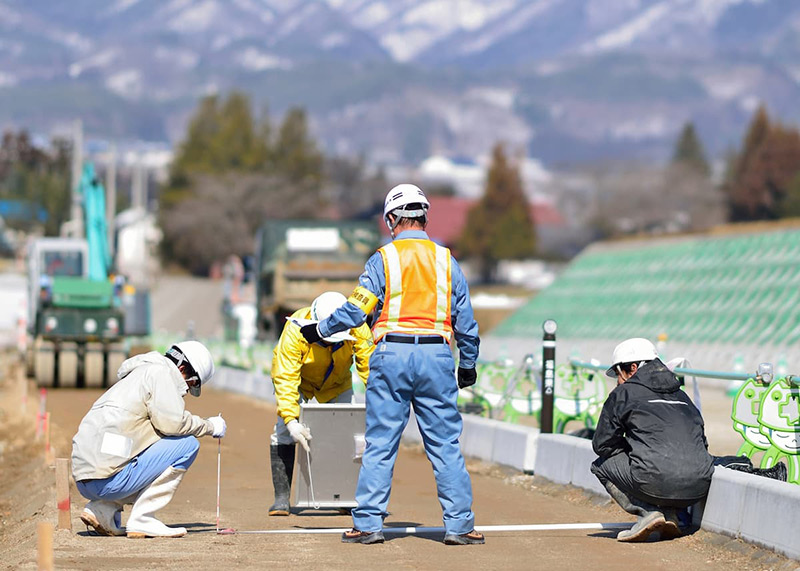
{"points": [[243, 382], [756, 509], [566, 460], [491, 441]]}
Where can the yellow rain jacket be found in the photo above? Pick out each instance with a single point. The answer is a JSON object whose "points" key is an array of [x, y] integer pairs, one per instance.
{"points": [[298, 367]]}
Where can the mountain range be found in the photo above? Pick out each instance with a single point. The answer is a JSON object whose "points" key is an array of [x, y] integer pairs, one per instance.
{"points": [[568, 81]]}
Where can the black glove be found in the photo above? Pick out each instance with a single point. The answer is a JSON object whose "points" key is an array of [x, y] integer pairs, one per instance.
{"points": [[466, 377], [310, 333]]}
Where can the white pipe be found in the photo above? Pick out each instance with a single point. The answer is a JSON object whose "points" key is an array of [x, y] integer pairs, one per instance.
{"points": [[419, 530]]}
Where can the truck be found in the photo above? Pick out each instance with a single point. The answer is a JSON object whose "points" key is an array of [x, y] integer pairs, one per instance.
{"points": [[77, 310], [296, 260]]}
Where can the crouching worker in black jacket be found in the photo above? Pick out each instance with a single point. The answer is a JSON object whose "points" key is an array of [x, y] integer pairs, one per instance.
{"points": [[652, 448]]}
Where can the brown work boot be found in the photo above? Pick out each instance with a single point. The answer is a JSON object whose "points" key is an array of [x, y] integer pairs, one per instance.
{"points": [[365, 537]]}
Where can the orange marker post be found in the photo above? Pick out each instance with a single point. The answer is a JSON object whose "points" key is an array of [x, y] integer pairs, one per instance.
{"points": [[63, 502]]}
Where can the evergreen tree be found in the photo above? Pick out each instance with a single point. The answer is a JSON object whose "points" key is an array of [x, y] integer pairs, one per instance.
{"points": [[238, 145], [39, 178], [756, 134], [764, 170], [296, 154], [499, 226], [226, 145], [689, 152], [789, 207]]}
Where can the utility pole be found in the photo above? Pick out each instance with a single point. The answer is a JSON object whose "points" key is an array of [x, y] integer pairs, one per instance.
{"points": [[139, 184], [76, 222]]}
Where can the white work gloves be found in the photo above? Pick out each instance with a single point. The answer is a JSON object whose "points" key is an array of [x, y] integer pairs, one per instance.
{"points": [[300, 433], [219, 426]]}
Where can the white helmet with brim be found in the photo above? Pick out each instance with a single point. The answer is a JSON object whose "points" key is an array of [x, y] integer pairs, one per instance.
{"points": [[405, 201], [321, 308], [633, 350], [198, 357]]}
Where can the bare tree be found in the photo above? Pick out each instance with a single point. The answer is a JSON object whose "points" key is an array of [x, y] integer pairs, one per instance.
{"points": [[640, 199], [224, 212]]}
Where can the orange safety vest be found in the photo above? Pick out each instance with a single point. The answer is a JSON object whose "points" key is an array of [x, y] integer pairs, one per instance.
{"points": [[418, 289]]}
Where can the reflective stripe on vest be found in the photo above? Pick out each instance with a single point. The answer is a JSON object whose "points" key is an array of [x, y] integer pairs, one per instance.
{"points": [[418, 289]]}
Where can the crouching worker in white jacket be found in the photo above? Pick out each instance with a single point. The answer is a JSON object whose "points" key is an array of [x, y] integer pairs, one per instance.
{"points": [[138, 440]]}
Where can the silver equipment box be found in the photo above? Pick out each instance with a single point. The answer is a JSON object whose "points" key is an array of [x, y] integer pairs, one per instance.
{"points": [[337, 443]]}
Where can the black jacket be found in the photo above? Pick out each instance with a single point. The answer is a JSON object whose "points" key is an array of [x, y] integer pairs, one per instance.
{"points": [[652, 420]]}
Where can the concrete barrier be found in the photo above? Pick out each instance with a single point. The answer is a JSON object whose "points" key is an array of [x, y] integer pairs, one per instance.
{"points": [[567, 460], [244, 382], [491, 440], [756, 509]]}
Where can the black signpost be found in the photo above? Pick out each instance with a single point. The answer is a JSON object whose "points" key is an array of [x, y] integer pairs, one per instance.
{"points": [[548, 374]]}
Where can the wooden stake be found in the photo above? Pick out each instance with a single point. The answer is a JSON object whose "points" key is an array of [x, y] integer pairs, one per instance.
{"points": [[23, 388], [62, 494], [44, 536], [47, 432], [49, 453], [40, 414]]}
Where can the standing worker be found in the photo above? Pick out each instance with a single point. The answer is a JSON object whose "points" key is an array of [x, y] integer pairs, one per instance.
{"points": [[137, 441], [305, 371], [421, 299], [652, 448]]}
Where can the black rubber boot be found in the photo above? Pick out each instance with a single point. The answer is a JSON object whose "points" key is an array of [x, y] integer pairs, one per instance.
{"points": [[650, 518], [281, 459]]}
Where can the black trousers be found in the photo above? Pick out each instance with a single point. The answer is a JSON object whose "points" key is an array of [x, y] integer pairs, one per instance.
{"points": [[617, 470]]}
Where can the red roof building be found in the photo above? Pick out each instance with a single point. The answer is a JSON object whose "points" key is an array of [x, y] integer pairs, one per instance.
{"points": [[448, 216]]}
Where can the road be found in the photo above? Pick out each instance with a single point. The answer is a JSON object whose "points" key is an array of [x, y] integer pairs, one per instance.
{"points": [[502, 497]]}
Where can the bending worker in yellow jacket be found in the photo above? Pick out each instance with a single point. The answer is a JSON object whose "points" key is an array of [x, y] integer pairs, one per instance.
{"points": [[303, 371]]}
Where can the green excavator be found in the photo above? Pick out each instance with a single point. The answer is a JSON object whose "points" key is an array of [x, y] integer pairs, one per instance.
{"points": [[77, 309]]}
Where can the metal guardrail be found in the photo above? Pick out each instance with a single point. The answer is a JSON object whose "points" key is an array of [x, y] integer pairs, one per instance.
{"points": [[678, 371]]}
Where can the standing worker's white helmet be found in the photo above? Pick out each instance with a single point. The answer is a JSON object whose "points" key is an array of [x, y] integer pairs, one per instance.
{"points": [[633, 350], [199, 359], [322, 307], [399, 198]]}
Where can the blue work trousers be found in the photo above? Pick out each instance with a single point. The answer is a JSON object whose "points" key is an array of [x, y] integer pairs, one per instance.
{"points": [[176, 451], [422, 376]]}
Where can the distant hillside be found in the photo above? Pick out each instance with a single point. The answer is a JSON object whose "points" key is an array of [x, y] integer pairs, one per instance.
{"points": [[571, 80]]}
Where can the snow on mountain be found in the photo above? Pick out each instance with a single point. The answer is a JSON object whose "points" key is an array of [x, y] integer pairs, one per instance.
{"points": [[406, 28], [626, 34], [403, 77]]}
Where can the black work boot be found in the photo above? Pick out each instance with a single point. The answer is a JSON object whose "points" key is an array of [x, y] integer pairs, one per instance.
{"points": [[777, 472], [650, 518], [281, 459]]}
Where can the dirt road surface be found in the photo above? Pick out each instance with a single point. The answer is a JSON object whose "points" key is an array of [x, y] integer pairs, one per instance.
{"points": [[501, 497]]}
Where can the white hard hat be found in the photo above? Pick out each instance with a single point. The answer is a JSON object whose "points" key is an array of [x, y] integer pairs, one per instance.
{"points": [[401, 196], [199, 358], [631, 351], [322, 307]]}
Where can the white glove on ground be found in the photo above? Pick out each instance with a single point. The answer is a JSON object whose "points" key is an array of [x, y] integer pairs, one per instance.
{"points": [[219, 426], [300, 433]]}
